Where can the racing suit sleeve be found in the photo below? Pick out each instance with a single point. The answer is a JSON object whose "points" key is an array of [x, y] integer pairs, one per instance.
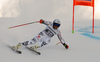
{"points": [[62, 41], [44, 22]]}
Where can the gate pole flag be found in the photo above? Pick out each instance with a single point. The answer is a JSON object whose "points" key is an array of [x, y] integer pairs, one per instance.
{"points": [[83, 3]]}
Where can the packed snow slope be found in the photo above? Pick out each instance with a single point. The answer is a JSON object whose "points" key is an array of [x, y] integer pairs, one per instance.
{"points": [[82, 48]]}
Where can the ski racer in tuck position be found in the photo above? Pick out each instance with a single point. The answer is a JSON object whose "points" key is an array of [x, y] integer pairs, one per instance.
{"points": [[44, 36]]}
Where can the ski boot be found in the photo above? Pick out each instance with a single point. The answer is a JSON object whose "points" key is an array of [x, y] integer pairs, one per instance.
{"points": [[35, 47], [17, 46]]}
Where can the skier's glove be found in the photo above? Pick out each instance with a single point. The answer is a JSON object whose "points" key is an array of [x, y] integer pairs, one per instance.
{"points": [[41, 21], [65, 45]]}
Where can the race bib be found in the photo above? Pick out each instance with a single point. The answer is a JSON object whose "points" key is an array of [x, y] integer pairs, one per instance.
{"points": [[49, 33]]}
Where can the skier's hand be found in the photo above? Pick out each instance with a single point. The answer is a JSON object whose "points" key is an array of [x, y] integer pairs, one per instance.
{"points": [[41, 21], [65, 45]]}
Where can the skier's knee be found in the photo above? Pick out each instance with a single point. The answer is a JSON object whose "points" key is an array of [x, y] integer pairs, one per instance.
{"points": [[25, 43]]}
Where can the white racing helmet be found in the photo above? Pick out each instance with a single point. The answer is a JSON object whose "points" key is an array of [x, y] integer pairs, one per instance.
{"points": [[56, 22]]}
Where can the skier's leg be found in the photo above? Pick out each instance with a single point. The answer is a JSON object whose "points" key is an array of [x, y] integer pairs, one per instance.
{"points": [[32, 41], [44, 42], [37, 38]]}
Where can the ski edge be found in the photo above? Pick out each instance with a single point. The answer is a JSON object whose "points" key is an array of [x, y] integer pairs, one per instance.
{"points": [[33, 50], [20, 52]]}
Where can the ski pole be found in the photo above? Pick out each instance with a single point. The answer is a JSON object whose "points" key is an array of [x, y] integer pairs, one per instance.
{"points": [[23, 24], [58, 43]]}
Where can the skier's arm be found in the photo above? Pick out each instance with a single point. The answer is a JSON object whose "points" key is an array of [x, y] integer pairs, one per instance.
{"points": [[62, 41], [43, 22]]}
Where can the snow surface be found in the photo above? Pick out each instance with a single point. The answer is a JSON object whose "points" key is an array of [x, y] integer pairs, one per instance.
{"points": [[81, 47], [84, 46]]}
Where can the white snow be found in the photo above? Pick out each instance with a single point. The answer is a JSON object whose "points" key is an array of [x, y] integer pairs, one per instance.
{"points": [[82, 48]]}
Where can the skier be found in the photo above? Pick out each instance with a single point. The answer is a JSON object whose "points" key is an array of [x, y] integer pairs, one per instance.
{"points": [[44, 36]]}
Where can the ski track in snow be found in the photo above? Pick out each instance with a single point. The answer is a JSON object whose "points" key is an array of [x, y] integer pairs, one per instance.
{"points": [[86, 32]]}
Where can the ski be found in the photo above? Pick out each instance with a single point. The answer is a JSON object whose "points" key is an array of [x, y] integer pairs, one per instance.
{"points": [[34, 50], [15, 50]]}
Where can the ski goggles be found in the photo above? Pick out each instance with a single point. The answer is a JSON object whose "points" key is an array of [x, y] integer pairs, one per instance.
{"points": [[55, 24]]}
